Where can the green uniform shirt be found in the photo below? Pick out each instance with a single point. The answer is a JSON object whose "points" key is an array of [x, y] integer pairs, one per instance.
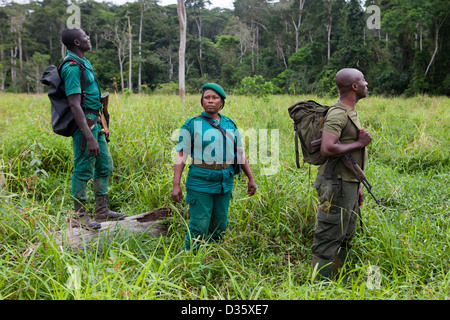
{"points": [[338, 123], [70, 74], [203, 142]]}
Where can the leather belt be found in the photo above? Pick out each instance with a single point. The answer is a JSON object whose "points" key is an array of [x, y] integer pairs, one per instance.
{"points": [[212, 166]]}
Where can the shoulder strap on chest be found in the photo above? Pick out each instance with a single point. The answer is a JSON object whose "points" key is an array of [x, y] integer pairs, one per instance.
{"points": [[348, 116], [83, 80], [363, 150], [218, 127]]}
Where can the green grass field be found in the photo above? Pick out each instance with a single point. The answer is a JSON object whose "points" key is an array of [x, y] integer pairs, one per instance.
{"points": [[267, 250]]}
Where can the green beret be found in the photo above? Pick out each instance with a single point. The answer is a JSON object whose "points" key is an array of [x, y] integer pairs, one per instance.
{"points": [[216, 88]]}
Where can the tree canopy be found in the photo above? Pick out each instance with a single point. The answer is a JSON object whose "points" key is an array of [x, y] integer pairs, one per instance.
{"points": [[296, 45]]}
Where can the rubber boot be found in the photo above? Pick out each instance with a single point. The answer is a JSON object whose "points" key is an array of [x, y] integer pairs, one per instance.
{"points": [[340, 263], [81, 217], [322, 270], [102, 212]]}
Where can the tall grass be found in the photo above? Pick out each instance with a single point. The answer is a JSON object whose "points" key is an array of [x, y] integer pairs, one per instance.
{"points": [[266, 253]]}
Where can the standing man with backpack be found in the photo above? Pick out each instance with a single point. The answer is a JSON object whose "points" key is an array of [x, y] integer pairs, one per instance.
{"points": [[339, 192], [92, 158]]}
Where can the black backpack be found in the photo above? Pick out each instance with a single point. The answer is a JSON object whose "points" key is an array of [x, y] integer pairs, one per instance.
{"points": [[63, 122]]}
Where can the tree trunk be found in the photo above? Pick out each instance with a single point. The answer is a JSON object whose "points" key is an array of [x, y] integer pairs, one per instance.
{"points": [[130, 61], [140, 49], [19, 38], [253, 45], [78, 238], [329, 29], [298, 24], [181, 10], [122, 83], [436, 42]]}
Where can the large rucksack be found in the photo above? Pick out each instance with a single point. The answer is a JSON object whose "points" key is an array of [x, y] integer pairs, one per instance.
{"points": [[308, 117], [63, 122]]}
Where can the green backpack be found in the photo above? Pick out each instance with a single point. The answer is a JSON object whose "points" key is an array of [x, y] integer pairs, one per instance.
{"points": [[308, 117]]}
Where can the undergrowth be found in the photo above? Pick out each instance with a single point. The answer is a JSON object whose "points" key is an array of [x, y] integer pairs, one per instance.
{"points": [[266, 253]]}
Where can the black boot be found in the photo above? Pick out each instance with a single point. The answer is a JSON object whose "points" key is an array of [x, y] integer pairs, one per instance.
{"points": [[81, 217], [341, 263], [102, 212], [322, 270]]}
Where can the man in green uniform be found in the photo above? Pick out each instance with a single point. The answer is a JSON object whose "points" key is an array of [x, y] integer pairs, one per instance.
{"points": [[92, 158], [339, 192]]}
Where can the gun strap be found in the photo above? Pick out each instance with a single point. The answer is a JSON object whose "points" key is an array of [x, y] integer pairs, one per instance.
{"points": [[225, 133]]}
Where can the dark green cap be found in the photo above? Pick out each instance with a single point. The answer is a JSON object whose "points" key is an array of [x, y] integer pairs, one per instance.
{"points": [[216, 88]]}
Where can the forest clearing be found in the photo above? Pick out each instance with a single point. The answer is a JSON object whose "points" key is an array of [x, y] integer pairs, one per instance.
{"points": [[403, 253]]}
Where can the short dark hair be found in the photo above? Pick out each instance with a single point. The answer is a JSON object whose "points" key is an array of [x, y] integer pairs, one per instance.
{"points": [[68, 37]]}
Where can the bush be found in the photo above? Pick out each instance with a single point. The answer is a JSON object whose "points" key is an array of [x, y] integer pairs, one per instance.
{"points": [[167, 88], [255, 86]]}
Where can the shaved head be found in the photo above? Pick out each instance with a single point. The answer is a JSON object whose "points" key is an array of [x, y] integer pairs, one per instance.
{"points": [[352, 85], [346, 77]]}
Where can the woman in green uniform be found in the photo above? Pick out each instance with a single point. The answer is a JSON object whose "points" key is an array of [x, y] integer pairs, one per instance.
{"points": [[210, 178]]}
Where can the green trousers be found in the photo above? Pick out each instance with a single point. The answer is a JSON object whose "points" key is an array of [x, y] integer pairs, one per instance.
{"points": [[88, 167], [337, 217], [209, 217]]}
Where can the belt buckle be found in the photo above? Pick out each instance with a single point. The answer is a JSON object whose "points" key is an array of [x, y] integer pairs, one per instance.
{"points": [[217, 166]]}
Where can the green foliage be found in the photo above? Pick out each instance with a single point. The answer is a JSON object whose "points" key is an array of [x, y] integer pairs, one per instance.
{"points": [[266, 253], [255, 86], [226, 46], [167, 88], [327, 82], [301, 57]]}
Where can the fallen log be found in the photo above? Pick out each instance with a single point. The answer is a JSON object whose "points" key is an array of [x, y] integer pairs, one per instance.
{"points": [[151, 223]]}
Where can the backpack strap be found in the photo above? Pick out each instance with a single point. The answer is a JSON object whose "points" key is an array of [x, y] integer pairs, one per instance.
{"points": [[83, 79], [297, 152], [357, 127]]}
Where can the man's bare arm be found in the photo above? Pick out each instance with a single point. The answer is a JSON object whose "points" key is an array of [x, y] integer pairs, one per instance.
{"points": [[332, 148], [80, 119]]}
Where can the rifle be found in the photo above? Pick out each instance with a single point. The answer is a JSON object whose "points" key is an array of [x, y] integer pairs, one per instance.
{"points": [[105, 115], [351, 164]]}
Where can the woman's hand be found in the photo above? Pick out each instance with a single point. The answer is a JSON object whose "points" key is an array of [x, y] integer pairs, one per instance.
{"points": [[177, 194], [251, 187]]}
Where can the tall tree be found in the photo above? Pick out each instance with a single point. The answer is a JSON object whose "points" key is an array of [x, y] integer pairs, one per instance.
{"points": [[181, 10], [130, 54], [17, 15], [352, 49], [240, 30], [297, 21], [144, 5], [196, 8], [117, 34], [253, 12]]}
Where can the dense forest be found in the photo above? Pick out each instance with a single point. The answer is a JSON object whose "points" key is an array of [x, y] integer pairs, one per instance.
{"points": [[290, 46]]}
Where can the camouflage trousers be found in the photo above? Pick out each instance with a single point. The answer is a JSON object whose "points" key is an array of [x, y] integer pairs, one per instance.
{"points": [[337, 216]]}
